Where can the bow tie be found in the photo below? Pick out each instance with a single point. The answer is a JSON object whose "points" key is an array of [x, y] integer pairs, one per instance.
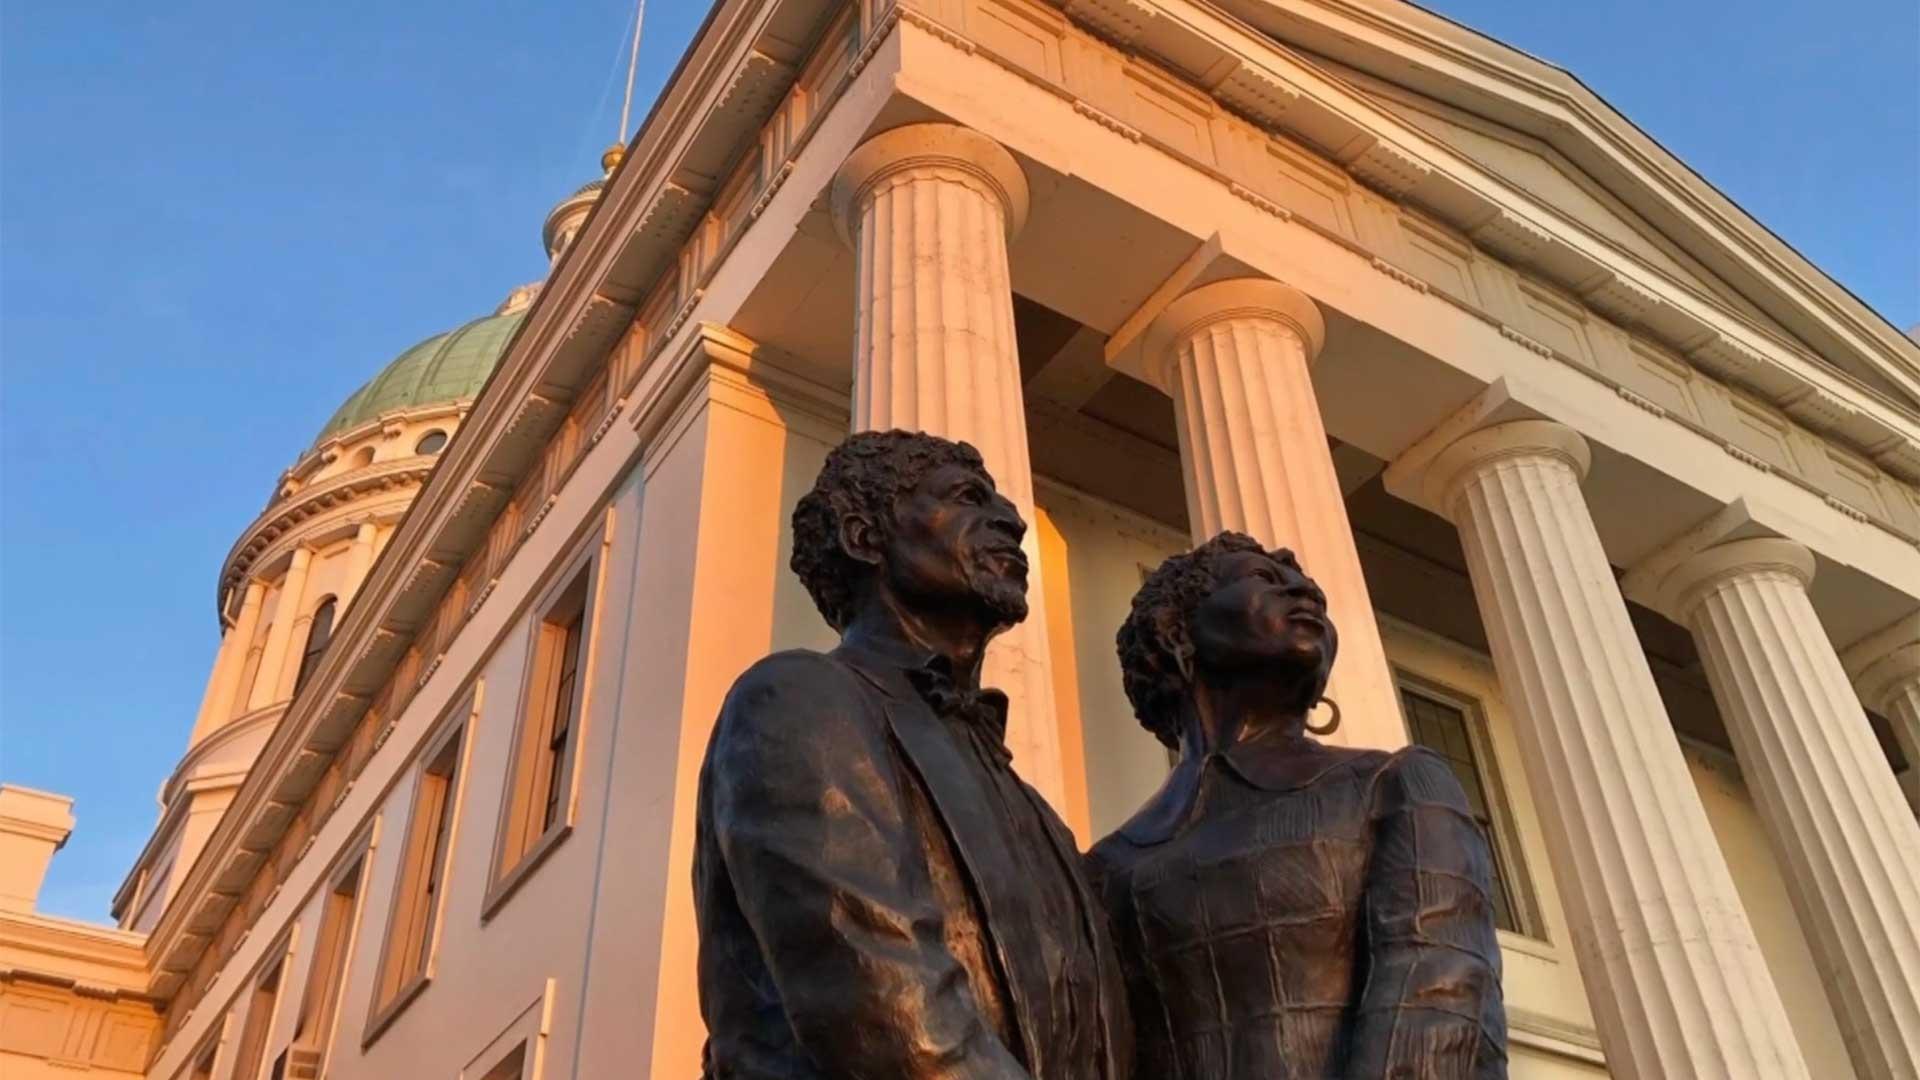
{"points": [[983, 711]]}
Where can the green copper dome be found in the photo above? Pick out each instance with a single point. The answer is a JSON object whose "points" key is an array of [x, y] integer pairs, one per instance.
{"points": [[444, 368]]}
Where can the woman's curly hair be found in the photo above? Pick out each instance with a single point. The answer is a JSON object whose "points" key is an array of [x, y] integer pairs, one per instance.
{"points": [[863, 475], [1155, 643]]}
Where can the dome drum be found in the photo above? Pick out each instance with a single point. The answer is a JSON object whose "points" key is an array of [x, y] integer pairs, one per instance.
{"points": [[390, 437], [320, 515]]}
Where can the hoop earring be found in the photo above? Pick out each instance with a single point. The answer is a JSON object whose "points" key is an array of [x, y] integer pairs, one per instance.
{"points": [[1331, 725]]}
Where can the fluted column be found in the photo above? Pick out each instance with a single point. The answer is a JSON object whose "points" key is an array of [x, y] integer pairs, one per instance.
{"points": [[1844, 835], [217, 709], [286, 611], [928, 209], [1235, 356], [1888, 678], [1673, 972], [359, 560]]}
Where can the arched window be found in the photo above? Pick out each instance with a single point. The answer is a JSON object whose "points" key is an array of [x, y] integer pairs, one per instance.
{"points": [[319, 632], [432, 442]]}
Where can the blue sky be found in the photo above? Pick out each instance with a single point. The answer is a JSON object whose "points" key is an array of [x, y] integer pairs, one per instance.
{"points": [[218, 218]]}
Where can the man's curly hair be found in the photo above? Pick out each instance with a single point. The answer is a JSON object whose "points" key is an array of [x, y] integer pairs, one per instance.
{"points": [[863, 475], [1155, 643]]}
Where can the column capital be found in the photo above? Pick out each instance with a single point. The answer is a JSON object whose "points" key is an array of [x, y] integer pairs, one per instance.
{"points": [[1234, 298], [929, 146], [1683, 587], [1432, 472], [1881, 678]]}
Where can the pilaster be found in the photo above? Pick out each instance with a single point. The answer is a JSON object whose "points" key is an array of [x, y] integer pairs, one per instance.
{"points": [[1673, 971], [928, 210], [359, 559], [232, 662], [287, 611], [725, 447]]}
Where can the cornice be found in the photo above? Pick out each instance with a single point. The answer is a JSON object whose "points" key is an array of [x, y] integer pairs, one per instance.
{"points": [[233, 731], [66, 944], [285, 517]]}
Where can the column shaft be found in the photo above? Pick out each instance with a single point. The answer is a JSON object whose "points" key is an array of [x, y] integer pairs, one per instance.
{"points": [[1844, 835], [928, 209], [232, 663], [1673, 972], [286, 612], [1255, 456]]}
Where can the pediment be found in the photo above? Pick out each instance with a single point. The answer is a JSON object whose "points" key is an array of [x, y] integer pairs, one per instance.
{"points": [[1543, 133], [1547, 175]]}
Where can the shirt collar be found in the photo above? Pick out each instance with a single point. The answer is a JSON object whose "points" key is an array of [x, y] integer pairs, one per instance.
{"points": [[903, 670], [1271, 765]]}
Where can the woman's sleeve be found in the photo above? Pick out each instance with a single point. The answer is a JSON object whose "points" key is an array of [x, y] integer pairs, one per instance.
{"points": [[1431, 1007]]}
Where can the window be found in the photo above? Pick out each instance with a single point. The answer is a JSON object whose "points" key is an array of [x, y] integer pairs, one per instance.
{"points": [[319, 632], [363, 457], [1446, 726], [406, 961], [313, 1032], [203, 1062], [511, 1067], [537, 811], [431, 443], [259, 1024]]}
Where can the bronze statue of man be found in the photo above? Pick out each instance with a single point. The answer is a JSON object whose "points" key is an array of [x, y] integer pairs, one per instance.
{"points": [[879, 895], [1285, 908]]}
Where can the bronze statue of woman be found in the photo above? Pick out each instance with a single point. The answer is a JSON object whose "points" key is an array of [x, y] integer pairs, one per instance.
{"points": [[1285, 908]]}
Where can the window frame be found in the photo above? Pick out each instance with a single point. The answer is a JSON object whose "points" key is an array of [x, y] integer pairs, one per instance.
{"points": [[1509, 857], [525, 1034], [398, 982], [524, 836], [278, 969], [355, 870], [310, 654], [208, 1052], [523, 1065]]}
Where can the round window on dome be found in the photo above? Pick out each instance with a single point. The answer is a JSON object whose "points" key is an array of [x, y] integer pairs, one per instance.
{"points": [[431, 443]]}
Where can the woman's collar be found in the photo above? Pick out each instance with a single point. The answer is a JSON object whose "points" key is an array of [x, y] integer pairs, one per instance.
{"points": [[1272, 765]]}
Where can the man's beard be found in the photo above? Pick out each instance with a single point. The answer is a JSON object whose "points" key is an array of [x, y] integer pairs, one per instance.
{"points": [[1003, 597]]}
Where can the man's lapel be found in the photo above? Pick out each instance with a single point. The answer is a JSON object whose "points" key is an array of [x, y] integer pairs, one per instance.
{"points": [[937, 759]]}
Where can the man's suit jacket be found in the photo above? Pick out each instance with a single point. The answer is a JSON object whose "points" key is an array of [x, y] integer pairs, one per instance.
{"points": [[860, 903]]}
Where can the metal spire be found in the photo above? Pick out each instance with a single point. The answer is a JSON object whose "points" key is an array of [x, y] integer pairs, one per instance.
{"points": [[618, 150]]}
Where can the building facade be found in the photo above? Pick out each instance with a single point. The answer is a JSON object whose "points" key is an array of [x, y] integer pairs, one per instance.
{"points": [[1616, 498]]}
